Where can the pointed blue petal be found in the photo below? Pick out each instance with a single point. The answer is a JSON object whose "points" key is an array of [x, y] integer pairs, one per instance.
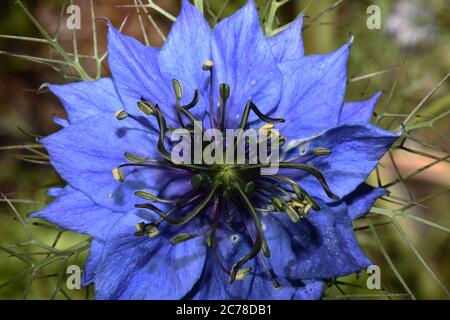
{"points": [[85, 154], [355, 151], [88, 98], [74, 211], [288, 44], [358, 112], [148, 268], [313, 93], [136, 73], [361, 200], [243, 59], [321, 246]]}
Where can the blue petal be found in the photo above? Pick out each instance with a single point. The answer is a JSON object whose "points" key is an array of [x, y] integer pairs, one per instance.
{"points": [[321, 246], [355, 151], [136, 74], [313, 93], [148, 268], [59, 121], [93, 260], [54, 192], [85, 154], [185, 51], [243, 59], [288, 44], [263, 289], [358, 112], [74, 211], [312, 290], [88, 98], [361, 200]]}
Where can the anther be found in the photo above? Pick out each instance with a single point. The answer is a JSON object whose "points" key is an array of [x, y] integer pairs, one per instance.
{"points": [[152, 231], [208, 65], [121, 114], [292, 213], [149, 229], [266, 127], [177, 88], [224, 90], [242, 273], [265, 249], [321, 151], [145, 195], [146, 107], [140, 229], [278, 203], [118, 174], [134, 158]]}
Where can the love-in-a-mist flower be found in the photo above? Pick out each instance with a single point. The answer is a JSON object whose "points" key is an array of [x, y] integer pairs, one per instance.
{"points": [[168, 230]]}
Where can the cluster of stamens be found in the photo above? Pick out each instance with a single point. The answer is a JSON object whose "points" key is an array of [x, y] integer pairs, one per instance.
{"points": [[215, 184]]}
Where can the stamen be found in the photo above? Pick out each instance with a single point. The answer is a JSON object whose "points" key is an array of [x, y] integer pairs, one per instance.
{"points": [[194, 101], [137, 159], [149, 196], [149, 229], [292, 213], [185, 236], [146, 107], [180, 221], [260, 242], [177, 88], [321, 151], [121, 114], [298, 166], [208, 65], [266, 127], [251, 106], [118, 174], [242, 273], [278, 204]]}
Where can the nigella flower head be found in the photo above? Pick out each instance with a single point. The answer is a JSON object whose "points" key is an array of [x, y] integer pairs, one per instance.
{"points": [[168, 230]]}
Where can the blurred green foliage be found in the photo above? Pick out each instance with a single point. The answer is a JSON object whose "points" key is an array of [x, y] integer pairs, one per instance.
{"points": [[406, 77]]}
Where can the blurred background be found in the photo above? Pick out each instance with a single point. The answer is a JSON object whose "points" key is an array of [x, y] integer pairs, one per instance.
{"points": [[401, 48]]}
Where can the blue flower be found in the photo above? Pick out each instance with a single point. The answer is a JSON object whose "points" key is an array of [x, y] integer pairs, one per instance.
{"points": [[197, 236]]}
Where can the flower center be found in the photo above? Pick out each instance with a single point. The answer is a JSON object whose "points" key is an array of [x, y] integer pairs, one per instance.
{"points": [[238, 178]]}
